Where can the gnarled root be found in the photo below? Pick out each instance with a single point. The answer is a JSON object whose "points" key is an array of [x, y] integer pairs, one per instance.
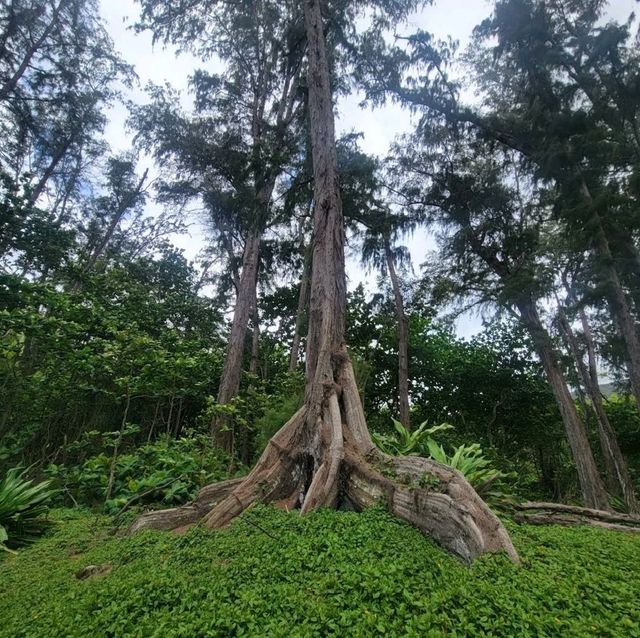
{"points": [[178, 517], [431, 496], [324, 457], [560, 514]]}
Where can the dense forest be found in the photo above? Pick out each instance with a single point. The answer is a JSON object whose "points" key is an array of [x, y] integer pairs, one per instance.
{"points": [[141, 390]]}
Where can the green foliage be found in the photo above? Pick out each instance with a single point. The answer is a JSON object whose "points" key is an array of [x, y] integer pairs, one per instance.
{"points": [[406, 441], [68, 361], [167, 471], [23, 503], [327, 574], [470, 461], [467, 459]]}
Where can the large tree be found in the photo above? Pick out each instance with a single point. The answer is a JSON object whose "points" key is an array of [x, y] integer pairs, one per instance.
{"points": [[324, 455], [558, 86], [492, 224], [234, 149]]}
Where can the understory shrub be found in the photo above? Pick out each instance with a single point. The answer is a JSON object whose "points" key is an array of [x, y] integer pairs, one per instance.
{"points": [[468, 459], [23, 505], [167, 471]]}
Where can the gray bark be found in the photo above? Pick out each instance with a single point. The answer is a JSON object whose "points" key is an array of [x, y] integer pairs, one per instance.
{"points": [[403, 339], [591, 485]]}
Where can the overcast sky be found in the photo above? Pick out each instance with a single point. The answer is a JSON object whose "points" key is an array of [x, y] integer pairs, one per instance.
{"points": [[379, 127]]}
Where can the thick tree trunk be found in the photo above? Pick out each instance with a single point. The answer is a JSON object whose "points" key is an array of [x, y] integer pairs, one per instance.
{"points": [[615, 465], [593, 491], [323, 456], [403, 339]]}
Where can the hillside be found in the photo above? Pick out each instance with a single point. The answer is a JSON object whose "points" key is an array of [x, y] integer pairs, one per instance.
{"points": [[328, 574]]}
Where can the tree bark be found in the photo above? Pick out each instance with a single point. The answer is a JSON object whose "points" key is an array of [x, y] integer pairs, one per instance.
{"points": [[615, 465], [560, 514], [593, 491], [617, 298], [232, 368], [255, 341], [303, 297], [324, 456], [403, 339], [611, 440]]}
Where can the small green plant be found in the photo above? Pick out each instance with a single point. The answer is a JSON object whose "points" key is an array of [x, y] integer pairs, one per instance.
{"points": [[468, 459], [407, 442], [23, 503], [331, 574]]}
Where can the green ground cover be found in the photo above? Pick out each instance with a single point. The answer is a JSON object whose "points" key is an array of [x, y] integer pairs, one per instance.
{"points": [[328, 574]]}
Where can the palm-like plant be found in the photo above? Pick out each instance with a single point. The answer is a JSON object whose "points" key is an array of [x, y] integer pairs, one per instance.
{"points": [[469, 460], [408, 442], [22, 505]]}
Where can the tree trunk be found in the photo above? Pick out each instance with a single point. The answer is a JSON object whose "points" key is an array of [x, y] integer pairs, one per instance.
{"points": [[232, 369], [609, 434], [12, 82], [125, 205], [593, 491], [323, 456], [255, 341], [617, 472], [403, 338], [617, 298], [303, 297]]}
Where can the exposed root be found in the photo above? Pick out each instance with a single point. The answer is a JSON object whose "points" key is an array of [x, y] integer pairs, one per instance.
{"points": [[323, 456], [560, 514], [431, 496], [323, 490], [176, 517], [273, 478]]}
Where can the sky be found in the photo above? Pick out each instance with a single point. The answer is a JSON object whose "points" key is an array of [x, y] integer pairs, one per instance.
{"points": [[379, 127]]}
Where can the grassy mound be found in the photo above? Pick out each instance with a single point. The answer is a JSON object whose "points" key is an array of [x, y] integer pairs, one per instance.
{"points": [[328, 574]]}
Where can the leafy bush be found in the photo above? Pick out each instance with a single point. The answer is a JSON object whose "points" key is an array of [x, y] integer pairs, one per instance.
{"points": [[470, 461], [467, 459], [167, 471], [326, 574], [406, 442], [23, 503]]}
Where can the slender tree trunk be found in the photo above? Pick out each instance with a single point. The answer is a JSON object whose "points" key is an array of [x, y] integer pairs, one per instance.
{"points": [[324, 455], [232, 369], [593, 491], [114, 457], [255, 341], [127, 203], [616, 468], [617, 298], [12, 82], [303, 297], [403, 339], [609, 440], [48, 172]]}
